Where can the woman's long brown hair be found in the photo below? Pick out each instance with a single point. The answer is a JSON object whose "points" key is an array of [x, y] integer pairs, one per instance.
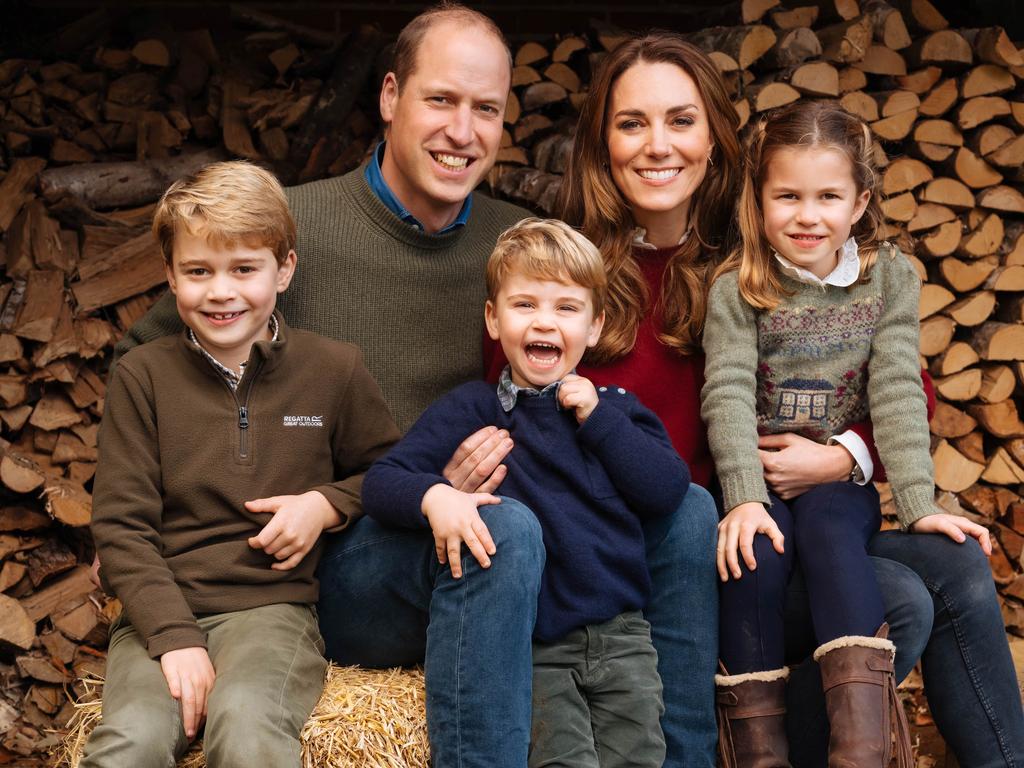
{"points": [[589, 199]]}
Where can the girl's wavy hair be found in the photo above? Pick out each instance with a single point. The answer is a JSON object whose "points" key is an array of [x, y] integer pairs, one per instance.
{"points": [[589, 199], [808, 124]]}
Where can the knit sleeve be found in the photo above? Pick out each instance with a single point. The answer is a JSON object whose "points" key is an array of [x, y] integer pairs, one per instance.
{"points": [[363, 432], [895, 394], [727, 398], [127, 520], [635, 450], [394, 487]]}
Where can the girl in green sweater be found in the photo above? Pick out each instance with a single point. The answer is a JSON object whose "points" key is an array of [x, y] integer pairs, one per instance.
{"points": [[811, 325]]}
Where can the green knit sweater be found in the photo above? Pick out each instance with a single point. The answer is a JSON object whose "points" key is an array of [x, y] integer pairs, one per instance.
{"points": [[412, 302], [820, 361]]}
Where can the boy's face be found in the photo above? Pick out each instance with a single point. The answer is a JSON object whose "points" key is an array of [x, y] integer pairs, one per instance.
{"points": [[226, 295], [544, 327]]}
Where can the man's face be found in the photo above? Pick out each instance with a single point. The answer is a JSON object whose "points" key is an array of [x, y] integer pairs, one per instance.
{"points": [[445, 121]]}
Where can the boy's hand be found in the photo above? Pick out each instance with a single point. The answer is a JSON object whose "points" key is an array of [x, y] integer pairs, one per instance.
{"points": [[454, 519], [736, 533], [297, 523], [579, 394], [190, 677], [476, 466], [956, 527]]}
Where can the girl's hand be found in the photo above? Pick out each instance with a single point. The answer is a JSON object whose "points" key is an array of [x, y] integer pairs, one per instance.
{"points": [[579, 394], [956, 527], [454, 519], [736, 532], [476, 465], [793, 464]]}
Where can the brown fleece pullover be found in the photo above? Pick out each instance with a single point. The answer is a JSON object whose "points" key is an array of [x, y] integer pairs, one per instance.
{"points": [[180, 453]]}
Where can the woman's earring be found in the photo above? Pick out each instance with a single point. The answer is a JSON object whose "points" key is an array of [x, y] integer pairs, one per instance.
{"points": [[711, 160]]}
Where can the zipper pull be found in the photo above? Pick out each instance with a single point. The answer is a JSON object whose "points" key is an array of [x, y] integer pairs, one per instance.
{"points": [[243, 417]]}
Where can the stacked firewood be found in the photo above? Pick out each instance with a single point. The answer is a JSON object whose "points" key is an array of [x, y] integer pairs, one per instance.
{"points": [[97, 121]]}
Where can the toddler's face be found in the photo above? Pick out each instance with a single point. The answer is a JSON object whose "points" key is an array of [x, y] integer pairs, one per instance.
{"points": [[544, 327], [810, 203]]}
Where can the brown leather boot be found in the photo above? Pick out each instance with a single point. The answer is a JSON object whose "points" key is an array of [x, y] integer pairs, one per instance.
{"points": [[863, 708], [751, 719]]}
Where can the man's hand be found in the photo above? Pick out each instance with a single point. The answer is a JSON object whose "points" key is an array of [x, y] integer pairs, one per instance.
{"points": [[579, 394], [476, 466], [297, 523], [736, 534], [190, 677], [793, 464], [956, 527], [454, 519]]}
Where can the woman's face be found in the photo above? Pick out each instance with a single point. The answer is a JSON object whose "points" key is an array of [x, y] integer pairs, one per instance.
{"points": [[659, 140]]}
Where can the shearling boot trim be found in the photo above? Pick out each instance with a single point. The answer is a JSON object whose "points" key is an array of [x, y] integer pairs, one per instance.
{"points": [[860, 641], [765, 677]]}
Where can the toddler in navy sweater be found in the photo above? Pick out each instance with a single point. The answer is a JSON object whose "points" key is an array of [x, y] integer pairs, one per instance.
{"points": [[590, 465]]}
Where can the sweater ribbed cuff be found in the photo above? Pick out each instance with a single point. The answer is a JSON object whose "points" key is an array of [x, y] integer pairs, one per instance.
{"points": [[175, 639], [914, 502], [740, 487], [348, 510]]}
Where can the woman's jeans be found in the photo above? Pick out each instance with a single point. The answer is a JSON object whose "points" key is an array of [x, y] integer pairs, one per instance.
{"points": [[941, 605], [385, 601]]}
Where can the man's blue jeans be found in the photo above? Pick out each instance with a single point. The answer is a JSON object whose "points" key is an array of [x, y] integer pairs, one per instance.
{"points": [[941, 604], [386, 601]]}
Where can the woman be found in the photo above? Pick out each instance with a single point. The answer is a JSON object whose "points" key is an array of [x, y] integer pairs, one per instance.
{"points": [[651, 179]]}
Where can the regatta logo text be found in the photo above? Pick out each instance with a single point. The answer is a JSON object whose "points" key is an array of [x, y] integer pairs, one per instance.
{"points": [[303, 421]]}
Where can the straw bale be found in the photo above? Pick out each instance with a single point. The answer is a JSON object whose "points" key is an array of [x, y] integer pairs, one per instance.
{"points": [[366, 718]]}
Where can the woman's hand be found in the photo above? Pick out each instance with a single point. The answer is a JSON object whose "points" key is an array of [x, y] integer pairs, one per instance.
{"points": [[956, 527], [736, 534], [476, 466], [793, 464]]}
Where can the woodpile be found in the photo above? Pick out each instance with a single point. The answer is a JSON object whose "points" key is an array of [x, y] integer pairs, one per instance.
{"points": [[97, 121]]}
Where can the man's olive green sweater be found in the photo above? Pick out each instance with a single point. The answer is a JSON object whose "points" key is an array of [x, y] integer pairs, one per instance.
{"points": [[817, 363], [181, 453], [412, 302]]}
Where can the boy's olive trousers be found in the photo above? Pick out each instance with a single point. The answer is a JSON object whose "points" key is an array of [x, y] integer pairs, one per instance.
{"points": [[270, 672]]}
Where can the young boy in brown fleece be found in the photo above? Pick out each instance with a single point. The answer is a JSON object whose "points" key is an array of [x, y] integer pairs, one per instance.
{"points": [[224, 452]]}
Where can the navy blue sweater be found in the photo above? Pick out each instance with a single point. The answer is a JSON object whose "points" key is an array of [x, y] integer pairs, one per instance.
{"points": [[589, 487]]}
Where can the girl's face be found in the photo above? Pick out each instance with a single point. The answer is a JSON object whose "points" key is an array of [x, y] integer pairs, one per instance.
{"points": [[659, 140], [810, 203]]}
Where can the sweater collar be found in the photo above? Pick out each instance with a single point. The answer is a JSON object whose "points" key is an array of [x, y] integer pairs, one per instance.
{"points": [[846, 272], [262, 353], [378, 215], [509, 391]]}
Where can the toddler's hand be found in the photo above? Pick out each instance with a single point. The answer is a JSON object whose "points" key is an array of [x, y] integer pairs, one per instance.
{"points": [[736, 534], [190, 677], [297, 523], [579, 394], [956, 527], [454, 519]]}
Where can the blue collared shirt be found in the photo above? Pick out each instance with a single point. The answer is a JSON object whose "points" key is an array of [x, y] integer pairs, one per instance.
{"points": [[380, 188], [509, 391]]}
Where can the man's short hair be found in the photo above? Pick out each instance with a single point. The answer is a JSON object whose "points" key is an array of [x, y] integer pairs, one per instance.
{"points": [[403, 62], [227, 204], [547, 249]]}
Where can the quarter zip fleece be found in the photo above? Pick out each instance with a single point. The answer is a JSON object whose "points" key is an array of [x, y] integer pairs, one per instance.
{"points": [[180, 453]]}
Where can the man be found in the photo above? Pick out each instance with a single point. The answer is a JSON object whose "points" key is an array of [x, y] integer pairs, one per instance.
{"points": [[383, 248]]}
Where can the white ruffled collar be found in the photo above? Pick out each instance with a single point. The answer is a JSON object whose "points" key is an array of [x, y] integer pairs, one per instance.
{"points": [[847, 271]]}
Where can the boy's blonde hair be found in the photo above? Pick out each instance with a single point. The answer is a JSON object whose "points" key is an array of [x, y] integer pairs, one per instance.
{"points": [[546, 249], [228, 203], [808, 124]]}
